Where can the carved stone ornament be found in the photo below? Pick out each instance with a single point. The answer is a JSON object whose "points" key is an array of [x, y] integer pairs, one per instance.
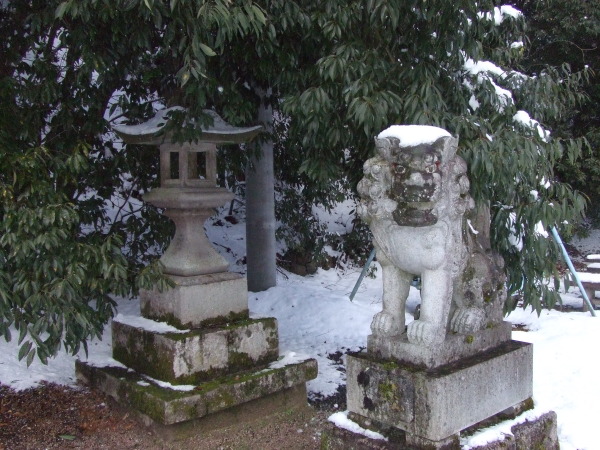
{"points": [[415, 198]]}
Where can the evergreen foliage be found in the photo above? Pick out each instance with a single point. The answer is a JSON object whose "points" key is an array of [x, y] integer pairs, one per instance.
{"points": [[382, 62], [569, 33], [74, 229]]}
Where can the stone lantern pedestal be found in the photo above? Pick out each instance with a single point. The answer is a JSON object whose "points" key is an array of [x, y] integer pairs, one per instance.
{"points": [[195, 352], [205, 292]]}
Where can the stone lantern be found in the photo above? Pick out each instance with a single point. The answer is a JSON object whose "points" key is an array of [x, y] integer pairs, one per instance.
{"points": [[199, 332], [205, 291], [188, 188]]}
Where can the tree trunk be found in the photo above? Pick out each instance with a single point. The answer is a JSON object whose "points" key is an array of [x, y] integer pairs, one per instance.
{"points": [[260, 211]]}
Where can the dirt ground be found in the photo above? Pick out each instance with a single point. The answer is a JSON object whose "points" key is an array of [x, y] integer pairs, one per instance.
{"points": [[53, 416]]}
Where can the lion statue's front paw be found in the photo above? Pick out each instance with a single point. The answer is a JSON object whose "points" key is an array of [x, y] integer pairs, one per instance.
{"points": [[425, 333], [467, 320], [386, 324]]}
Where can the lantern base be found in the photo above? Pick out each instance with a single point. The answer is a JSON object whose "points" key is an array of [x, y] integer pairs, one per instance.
{"points": [[198, 301]]}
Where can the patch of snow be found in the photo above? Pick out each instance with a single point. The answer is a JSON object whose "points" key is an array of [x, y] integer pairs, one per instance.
{"points": [[151, 126], [288, 358], [540, 230], [499, 431], [484, 70], [337, 219], [523, 118], [475, 68], [173, 387], [161, 118], [589, 245], [514, 239], [473, 230], [508, 10], [504, 96], [565, 373], [411, 135], [147, 324], [500, 13], [340, 419], [316, 318], [473, 103], [589, 277], [518, 44], [545, 183]]}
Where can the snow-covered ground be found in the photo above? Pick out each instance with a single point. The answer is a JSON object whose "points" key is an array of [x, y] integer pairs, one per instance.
{"points": [[316, 318]]}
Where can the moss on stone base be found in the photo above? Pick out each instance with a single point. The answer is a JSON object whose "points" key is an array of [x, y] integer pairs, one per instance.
{"points": [[172, 320], [168, 406], [179, 358]]}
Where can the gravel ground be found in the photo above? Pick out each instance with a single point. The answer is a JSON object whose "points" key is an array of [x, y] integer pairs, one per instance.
{"points": [[53, 416]]}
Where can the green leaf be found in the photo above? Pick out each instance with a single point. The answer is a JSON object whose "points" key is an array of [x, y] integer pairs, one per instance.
{"points": [[206, 49], [24, 350], [30, 357], [67, 437], [61, 9]]}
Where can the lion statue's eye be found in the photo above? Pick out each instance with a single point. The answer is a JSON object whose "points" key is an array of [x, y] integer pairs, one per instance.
{"points": [[399, 169]]}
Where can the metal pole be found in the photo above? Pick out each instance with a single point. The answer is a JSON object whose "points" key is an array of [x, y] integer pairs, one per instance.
{"points": [[573, 271], [362, 274]]}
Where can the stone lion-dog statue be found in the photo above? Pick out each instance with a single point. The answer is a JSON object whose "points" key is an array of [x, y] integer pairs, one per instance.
{"points": [[415, 198]]}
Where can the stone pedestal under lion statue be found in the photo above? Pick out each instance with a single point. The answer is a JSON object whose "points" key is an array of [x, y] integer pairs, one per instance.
{"points": [[456, 365]]}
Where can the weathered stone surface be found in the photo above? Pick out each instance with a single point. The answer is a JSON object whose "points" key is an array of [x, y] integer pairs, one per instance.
{"points": [[416, 201], [540, 433], [340, 439], [454, 365], [535, 434], [198, 301], [436, 404], [454, 348], [198, 355], [190, 252], [168, 406], [258, 412]]}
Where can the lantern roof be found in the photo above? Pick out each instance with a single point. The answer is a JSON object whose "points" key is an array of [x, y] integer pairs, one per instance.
{"points": [[151, 131]]}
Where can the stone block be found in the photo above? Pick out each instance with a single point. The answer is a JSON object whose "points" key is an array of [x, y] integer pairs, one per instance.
{"points": [[196, 355], [197, 301], [254, 414], [433, 405], [170, 406], [540, 433], [454, 348]]}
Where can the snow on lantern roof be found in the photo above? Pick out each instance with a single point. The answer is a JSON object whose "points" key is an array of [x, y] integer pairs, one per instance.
{"points": [[220, 132], [413, 135]]}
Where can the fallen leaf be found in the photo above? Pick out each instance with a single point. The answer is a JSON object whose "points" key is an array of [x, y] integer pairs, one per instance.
{"points": [[67, 437]]}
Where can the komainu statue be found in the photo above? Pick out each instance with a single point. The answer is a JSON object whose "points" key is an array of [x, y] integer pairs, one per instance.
{"points": [[416, 201]]}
